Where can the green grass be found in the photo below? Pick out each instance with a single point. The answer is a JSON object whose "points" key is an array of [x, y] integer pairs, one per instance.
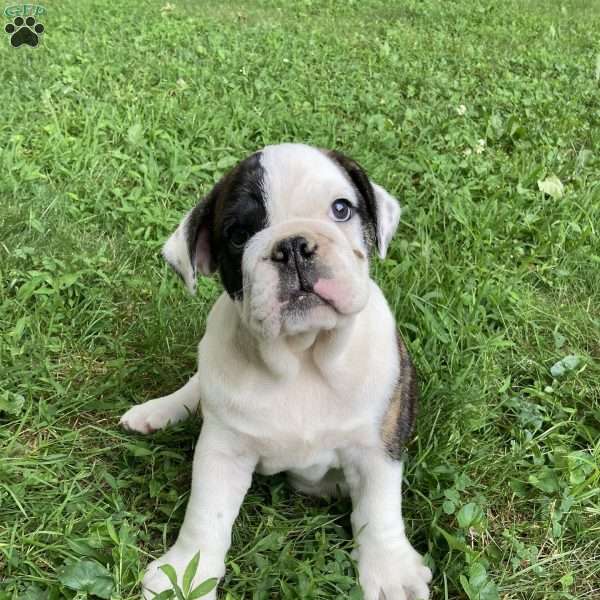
{"points": [[126, 114]]}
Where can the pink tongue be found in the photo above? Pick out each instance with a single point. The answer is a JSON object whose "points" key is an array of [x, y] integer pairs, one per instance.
{"points": [[328, 289]]}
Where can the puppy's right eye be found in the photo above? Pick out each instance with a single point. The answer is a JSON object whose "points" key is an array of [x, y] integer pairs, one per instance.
{"points": [[341, 210], [238, 237]]}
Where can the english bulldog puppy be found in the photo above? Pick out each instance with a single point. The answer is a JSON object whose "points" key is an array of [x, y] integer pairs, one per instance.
{"points": [[301, 368]]}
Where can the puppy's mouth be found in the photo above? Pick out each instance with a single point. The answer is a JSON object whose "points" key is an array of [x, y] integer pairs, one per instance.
{"points": [[302, 300]]}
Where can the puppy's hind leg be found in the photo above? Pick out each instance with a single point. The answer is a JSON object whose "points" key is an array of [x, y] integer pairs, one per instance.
{"points": [[158, 413]]}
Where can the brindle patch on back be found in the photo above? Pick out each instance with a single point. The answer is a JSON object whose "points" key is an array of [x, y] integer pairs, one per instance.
{"points": [[399, 417]]}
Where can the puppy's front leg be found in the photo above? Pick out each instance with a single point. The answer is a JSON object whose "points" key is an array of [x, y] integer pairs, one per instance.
{"points": [[389, 567], [167, 410], [222, 473]]}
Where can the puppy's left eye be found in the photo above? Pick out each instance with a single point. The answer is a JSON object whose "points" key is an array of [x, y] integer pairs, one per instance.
{"points": [[238, 237], [341, 210]]}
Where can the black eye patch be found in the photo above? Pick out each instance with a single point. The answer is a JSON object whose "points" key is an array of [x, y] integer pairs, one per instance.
{"points": [[243, 214]]}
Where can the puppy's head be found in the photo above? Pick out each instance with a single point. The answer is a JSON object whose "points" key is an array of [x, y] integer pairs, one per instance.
{"points": [[291, 230]]}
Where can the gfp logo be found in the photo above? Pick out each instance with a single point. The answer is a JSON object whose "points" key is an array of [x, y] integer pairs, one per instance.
{"points": [[25, 27]]}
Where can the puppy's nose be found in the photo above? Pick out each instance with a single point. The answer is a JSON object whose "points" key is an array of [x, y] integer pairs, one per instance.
{"points": [[295, 248]]}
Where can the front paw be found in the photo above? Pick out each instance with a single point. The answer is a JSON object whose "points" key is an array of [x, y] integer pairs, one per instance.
{"points": [[147, 417], [392, 573], [156, 581]]}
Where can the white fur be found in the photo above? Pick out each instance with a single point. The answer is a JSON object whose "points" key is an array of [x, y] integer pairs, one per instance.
{"points": [[305, 394]]}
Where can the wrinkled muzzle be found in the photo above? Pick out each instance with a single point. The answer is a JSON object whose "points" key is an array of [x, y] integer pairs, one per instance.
{"points": [[302, 275]]}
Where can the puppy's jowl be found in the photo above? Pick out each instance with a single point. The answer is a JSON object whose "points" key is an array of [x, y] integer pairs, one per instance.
{"points": [[300, 369]]}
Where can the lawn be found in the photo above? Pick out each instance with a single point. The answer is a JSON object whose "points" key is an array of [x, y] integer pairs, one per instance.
{"points": [[482, 117]]}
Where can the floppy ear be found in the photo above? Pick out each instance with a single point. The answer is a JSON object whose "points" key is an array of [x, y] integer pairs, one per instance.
{"points": [[381, 208], [190, 248], [388, 217]]}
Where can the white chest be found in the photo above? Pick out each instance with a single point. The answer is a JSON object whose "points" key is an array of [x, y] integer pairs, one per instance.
{"points": [[328, 402], [300, 422]]}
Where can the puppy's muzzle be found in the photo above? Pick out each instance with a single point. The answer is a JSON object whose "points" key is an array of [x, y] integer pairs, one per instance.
{"points": [[297, 256]]}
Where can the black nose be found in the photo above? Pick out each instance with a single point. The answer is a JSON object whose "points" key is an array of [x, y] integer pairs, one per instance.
{"points": [[295, 248]]}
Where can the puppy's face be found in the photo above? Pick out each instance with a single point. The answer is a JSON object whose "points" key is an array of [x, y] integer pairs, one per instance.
{"points": [[291, 229]]}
